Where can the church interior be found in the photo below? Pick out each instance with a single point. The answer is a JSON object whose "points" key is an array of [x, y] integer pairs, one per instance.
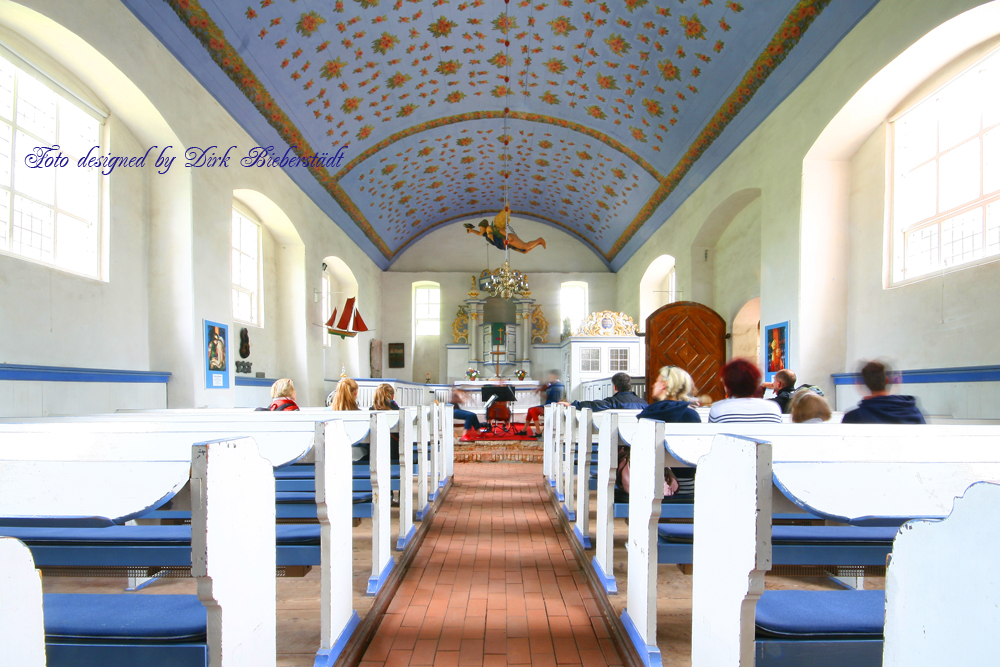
{"points": [[203, 197]]}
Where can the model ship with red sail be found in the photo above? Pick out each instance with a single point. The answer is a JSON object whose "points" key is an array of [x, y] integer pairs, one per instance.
{"points": [[350, 323]]}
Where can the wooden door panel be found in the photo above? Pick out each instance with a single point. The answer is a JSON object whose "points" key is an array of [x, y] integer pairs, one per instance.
{"points": [[691, 336]]}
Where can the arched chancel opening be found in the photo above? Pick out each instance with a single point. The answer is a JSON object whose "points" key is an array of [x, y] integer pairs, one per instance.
{"points": [[343, 353], [657, 288], [745, 331]]}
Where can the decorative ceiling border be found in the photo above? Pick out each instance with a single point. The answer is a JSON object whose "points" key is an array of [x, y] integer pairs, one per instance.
{"points": [[787, 36]]}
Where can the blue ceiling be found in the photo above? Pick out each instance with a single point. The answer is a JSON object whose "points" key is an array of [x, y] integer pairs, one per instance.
{"points": [[609, 114]]}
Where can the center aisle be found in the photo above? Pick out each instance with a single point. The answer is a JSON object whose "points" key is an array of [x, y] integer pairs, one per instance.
{"points": [[493, 583]]}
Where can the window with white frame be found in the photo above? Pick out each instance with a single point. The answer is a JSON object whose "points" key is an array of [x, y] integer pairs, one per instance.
{"points": [[590, 360], [48, 213], [572, 305], [618, 359], [946, 176], [327, 308], [246, 269], [427, 310]]}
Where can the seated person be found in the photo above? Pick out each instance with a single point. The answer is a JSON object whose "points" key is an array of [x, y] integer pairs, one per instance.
{"points": [[472, 423], [808, 407], [554, 392], [623, 398], [672, 393], [741, 378], [345, 396], [881, 407], [283, 395], [783, 385], [383, 398], [383, 401]]}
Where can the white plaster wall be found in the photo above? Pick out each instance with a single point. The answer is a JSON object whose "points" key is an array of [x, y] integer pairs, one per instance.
{"points": [[737, 263], [161, 103], [771, 159], [943, 321], [53, 318]]}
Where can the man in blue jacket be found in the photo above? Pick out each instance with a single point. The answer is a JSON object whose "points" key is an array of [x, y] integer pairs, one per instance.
{"points": [[623, 398], [881, 407]]}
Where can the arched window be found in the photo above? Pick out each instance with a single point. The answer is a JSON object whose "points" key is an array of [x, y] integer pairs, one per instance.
{"points": [[945, 166], [247, 269], [573, 305], [427, 309], [50, 210]]}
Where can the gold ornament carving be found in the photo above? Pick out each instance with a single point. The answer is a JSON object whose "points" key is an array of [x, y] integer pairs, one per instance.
{"points": [[607, 323], [460, 327], [539, 326]]}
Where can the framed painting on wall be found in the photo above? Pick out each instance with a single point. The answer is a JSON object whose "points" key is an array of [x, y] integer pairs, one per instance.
{"points": [[775, 349], [216, 355], [396, 355]]}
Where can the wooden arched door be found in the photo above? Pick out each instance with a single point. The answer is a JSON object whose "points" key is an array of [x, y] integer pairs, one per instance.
{"points": [[691, 336]]}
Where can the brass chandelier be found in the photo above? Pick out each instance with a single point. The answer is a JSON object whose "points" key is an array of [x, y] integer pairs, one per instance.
{"points": [[505, 282]]}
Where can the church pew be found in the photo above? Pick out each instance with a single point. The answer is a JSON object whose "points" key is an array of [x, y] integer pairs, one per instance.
{"points": [[878, 469], [287, 440], [277, 431], [232, 487], [926, 610]]}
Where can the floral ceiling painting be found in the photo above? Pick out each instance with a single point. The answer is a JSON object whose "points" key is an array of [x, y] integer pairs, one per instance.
{"points": [[616, 110]]}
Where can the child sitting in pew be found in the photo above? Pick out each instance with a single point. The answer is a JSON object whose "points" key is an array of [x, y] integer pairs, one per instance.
{"points": [[283, 395], [808, 407]]}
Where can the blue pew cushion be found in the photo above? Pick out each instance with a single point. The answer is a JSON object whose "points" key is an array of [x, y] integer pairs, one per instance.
{"points": [[131, 617], [684, 533], [133, 535], [828, 614], [296, 471]]}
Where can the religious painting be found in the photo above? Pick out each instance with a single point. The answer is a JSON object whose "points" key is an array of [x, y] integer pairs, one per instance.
{"points": [[396, 355], [216, 355], [775, 345]]}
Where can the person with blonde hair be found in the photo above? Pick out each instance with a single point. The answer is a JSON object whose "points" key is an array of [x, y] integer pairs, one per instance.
{"points": [[808, 407], [382, 400], [345, 396], [283, 395], [673, 392]]}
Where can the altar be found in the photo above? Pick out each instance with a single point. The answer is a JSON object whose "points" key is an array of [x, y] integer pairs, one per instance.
{"points": [[526, 392]]}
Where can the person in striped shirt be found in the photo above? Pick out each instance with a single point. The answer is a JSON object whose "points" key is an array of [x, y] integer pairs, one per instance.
{"points": [[742, 379]]}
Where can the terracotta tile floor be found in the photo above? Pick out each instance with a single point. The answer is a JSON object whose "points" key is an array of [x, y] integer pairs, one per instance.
{"points": [[493, 583]]}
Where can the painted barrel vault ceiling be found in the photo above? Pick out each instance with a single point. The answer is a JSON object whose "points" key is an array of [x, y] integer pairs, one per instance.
{"points": [[618, 109]]}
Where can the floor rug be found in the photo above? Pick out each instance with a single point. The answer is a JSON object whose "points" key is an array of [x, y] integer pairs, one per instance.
{"points": [[515, 432]]}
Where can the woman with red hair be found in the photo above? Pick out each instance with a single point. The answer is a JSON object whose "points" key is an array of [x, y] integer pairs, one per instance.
{"points": [[741, 379]]}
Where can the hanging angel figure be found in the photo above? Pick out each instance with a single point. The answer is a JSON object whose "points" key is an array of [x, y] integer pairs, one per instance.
{"points": [[499, 235]]}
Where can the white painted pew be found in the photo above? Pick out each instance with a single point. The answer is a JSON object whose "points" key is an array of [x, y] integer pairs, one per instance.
{"points": [[333, 499], [22, 628], [607, 424], [867, 474], [928, 616], [233, 515], [285, 438]]}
